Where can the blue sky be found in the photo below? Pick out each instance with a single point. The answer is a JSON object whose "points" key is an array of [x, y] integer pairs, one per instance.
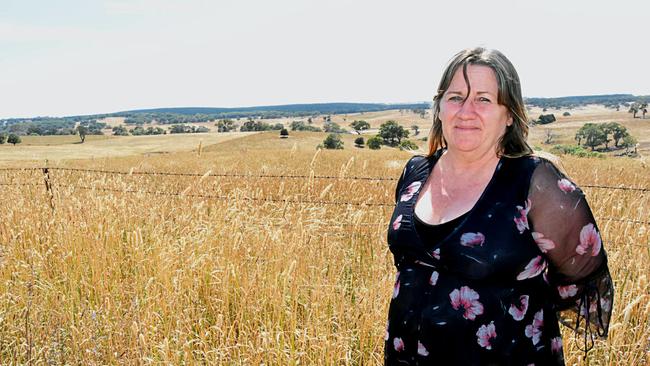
{"points": [[72, 57]]}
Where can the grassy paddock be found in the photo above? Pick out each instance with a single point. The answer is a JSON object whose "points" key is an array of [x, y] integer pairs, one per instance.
{"points": [[109, 277]]}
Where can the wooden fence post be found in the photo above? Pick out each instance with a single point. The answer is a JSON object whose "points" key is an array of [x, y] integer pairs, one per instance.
{"points": [[48, 186]]}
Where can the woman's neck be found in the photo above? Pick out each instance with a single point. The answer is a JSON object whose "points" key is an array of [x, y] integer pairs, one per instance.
{"points": [[459, 164]]}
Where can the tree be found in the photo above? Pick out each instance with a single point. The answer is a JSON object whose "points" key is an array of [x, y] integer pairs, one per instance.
{"points": [[179, 129], [634, 109], [332, 127], [301, 126], [416, 130], [618, 132], [628, 142], [408, 145], [333, 141], [392, 133], [607, 129], [546, 118], [14, 139], [593, 135], [374, 143], [284, 133], [120, 131], [252, 125], [225, 125], [579, 136], [3, 138], [138, 131], [360, 125], [82, 131], [358, 142], [549, 136], [297, 125]]}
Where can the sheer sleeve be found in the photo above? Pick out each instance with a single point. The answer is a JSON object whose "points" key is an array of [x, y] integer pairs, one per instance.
{"points": [[565, 230]]}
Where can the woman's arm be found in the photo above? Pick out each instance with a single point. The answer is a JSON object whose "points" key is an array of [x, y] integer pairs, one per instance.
{"points": [[565, 230]]}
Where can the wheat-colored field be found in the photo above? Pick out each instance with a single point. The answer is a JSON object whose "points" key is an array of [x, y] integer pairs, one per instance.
{"points": [[144, 269], [58, 148]]}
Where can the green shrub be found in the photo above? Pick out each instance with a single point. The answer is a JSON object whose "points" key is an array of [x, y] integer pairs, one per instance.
{"points": [[578, 151], [333, 141], [374, 143], [408, 145]]}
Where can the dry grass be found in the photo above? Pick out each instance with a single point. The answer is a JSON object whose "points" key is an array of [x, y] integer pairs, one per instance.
{"points": [[59, 148], [130, 278]]}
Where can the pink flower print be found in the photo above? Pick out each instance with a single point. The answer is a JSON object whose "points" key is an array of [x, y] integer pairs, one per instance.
{"points": [[533, 268], [410, 191], [468, 300], [436, 254], [518, 311], [397, 223], [398, 344], [567, 291], [472, 239], [593, 306], [544, 244], [565, 185], [485, 333], [396, 287], [421, 350], [534, 330], [556, 345], [434, 278], [522, 220], [589, 239]]}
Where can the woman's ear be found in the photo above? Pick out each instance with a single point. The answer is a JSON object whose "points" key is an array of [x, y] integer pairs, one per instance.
{"points": [[510, 120]]}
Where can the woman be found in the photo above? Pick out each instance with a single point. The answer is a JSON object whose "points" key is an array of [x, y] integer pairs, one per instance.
{"points": [[492, 244]]}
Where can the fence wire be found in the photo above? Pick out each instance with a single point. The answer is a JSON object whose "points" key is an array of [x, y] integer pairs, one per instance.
{"points": [[272, 176], [49, 187]]}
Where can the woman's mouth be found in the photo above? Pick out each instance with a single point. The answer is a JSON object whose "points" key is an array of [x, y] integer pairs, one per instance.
{"points": [[466, 128]]}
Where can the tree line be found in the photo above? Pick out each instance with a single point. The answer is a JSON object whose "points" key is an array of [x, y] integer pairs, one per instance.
{"points": [[390, 134], [613, 101]]}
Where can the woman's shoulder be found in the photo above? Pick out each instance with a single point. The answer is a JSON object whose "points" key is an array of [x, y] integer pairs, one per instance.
{"points": [[538, 161], [415, 163], [545, 171]]}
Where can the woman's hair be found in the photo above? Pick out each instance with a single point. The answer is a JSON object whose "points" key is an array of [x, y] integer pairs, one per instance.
{"points": [[513, 142]]}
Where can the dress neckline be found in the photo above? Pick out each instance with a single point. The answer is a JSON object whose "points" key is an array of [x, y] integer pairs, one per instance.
{"points": [[454, 220], [431, 162]]}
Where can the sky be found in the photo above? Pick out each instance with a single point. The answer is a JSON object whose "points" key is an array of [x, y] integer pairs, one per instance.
{"points": [[77, 57]]}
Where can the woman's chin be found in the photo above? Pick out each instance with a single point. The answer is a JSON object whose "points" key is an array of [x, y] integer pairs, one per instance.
{"points": [[464, 145]]}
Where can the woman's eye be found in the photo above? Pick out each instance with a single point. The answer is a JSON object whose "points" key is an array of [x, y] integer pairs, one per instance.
{"points": [[455, 98], [484, 100]]}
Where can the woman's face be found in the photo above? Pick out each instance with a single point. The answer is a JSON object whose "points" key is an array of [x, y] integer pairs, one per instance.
{"points": [[476, 124]]}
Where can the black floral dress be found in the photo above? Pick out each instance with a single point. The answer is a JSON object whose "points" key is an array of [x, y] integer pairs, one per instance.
{"points": [[527, 256]]}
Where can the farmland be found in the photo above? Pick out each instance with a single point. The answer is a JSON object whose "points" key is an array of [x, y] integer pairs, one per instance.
{"points": [[252, 250]]}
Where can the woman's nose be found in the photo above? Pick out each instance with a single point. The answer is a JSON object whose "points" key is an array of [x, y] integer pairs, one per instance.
{"points": [[467, 109]]}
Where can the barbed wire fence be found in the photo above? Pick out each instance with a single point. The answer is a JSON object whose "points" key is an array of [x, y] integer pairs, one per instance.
{"points": [[48, 182]]}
